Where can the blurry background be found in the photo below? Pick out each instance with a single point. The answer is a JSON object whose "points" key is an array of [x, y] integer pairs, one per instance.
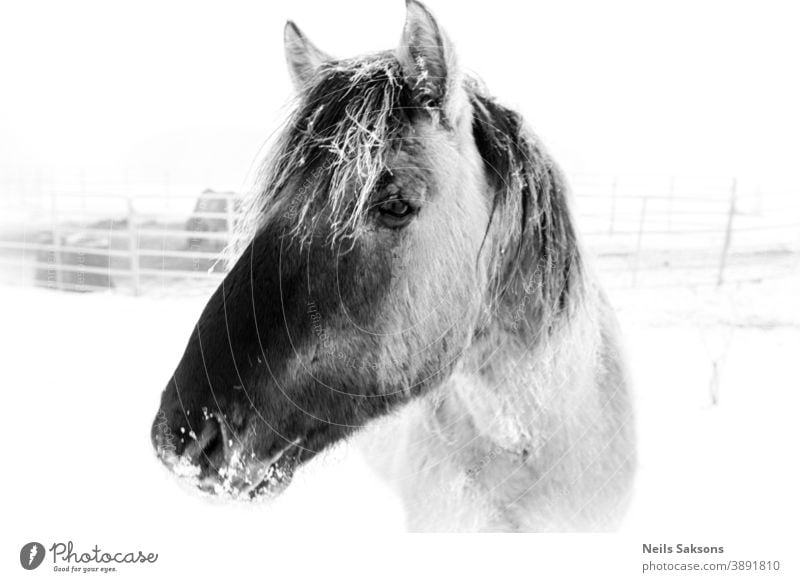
{"points": [[128, 132], [677, 124], [175, 93]]}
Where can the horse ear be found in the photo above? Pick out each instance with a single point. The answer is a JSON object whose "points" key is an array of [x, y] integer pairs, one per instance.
{"points": [[303, 58], [428, 60]]}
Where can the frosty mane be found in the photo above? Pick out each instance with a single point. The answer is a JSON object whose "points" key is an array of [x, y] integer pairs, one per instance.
{"points": [[337, 138]]}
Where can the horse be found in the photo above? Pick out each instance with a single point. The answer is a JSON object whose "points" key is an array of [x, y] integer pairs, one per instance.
{"points": [[409, 276]]}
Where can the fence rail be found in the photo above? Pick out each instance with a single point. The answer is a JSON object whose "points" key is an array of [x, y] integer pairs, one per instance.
{"points": [[642, 233]]}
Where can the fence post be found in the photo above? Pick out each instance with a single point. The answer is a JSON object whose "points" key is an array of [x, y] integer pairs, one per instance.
{"points": [[723, 259], [133, 245], [229, 201], [613, 206], [59, 273], [642, 216]]}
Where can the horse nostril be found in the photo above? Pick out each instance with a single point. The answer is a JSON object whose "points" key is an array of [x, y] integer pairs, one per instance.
{"points": [[211, 454], [208, 450]]}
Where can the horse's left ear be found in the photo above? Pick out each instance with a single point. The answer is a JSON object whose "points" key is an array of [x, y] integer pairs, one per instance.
{"points": [[302, 57], [429, 61]]}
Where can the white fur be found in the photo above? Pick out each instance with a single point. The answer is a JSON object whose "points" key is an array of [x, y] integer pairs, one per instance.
{"points": [[537, 444]]}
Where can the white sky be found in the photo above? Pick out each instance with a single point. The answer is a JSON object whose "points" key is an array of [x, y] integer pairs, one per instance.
{"points": [[146, 89]]}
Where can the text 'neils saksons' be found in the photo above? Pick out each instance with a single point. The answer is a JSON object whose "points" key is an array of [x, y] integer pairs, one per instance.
{"points": [[681, 549]]}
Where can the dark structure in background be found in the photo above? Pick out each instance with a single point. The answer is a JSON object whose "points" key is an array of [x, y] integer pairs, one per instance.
{"points": [[79, 262], [127, 252], [213, 212]]}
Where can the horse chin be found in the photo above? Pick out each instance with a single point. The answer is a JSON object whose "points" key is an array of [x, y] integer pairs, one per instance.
{"points": [[241, 477], [278, 475], [250, 480]]}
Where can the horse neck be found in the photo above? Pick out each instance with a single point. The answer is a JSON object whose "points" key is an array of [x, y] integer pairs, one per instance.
{"points": [[517, 383]]}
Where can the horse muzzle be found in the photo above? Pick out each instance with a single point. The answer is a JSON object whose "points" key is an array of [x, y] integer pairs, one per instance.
{"points": [[222, 460]]}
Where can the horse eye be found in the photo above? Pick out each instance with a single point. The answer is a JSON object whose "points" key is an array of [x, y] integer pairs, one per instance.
{"points": [[395, 211], [395, 207]]}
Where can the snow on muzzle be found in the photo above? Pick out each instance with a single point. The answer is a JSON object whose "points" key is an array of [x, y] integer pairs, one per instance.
{"points": [[223, 461]]}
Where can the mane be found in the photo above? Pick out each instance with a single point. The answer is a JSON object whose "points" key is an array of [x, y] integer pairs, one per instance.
{"points": [[337, 140], [540, 266]]}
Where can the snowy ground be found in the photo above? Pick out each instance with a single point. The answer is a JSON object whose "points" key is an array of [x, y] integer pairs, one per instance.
{"points": [[82, 374]]}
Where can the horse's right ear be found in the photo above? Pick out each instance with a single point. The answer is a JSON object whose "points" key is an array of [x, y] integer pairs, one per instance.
{"points": [[429, 62], [303, 58]]}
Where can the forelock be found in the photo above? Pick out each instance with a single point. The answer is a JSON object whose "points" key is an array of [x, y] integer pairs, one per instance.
{"points": [[336, 144]]}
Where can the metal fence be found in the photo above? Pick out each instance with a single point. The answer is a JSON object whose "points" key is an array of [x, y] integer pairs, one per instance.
{"points": [[642, 231], [676, 231]]}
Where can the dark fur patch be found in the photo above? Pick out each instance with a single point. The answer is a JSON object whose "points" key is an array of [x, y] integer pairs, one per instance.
{"points": [[530, 196]]}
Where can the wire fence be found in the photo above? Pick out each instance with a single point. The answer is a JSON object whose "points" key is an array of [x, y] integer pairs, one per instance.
{"points": [[643, 232]]}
